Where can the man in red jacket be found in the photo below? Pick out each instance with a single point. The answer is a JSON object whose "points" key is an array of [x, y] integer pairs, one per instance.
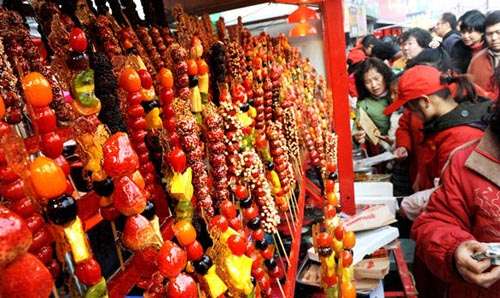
{"points": [[482, 66], [463, 215]]}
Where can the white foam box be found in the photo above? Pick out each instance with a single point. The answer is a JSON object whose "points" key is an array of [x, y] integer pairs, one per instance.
{"points": [[375, 193]]}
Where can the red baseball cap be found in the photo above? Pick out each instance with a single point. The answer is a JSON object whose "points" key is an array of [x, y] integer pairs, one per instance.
{"points": [[418, 81], [356, 55]]}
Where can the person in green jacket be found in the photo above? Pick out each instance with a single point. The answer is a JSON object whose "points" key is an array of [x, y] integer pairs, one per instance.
{"points": [[373, 80]]}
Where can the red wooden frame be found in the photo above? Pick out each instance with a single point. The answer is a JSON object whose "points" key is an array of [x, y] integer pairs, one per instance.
{"points": [[295, 249], [405, 275], [336, 73]]}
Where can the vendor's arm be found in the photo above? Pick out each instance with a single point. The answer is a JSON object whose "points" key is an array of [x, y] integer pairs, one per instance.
{"points": [[403, 133], [444, 225]]}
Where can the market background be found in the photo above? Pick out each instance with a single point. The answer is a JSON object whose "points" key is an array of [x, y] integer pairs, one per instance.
{"points": [[360, 18]]}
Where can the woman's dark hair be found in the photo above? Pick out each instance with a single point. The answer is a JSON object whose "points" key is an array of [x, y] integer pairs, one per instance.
{"points": [[353, 67], [384, 51], [422, 36], [437, 58], [472, 20], [369, 40], [393, 41], [465, 89], [380, 67], [492, 19]]}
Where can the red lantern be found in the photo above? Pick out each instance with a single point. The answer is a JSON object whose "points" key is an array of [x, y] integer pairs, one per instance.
{"points": [[302, 29], [302, 15]]}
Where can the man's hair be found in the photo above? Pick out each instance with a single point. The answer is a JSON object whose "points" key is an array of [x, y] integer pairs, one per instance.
{"points": [[422, 36], [449, 18], [380, 67], [369, 40], [492, 19], [472, 20]]}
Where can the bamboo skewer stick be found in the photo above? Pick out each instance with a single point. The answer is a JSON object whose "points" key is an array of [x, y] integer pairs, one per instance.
{"points": [[295, 203], [54, 292], [283, 247], [281, 288], [292, 211], [276, 247], [117, 247], [292, 231]]}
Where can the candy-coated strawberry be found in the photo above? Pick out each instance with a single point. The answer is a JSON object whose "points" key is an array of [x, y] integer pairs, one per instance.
{"points": [[138, 233], [26, 277], [171, 259], [15, 236], [182, 286], [119, 157], [24, 207], [177, 159], [128, 198]]}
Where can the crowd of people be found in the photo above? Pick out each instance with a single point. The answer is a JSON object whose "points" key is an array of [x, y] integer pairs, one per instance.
{"points": [[433, 96]]}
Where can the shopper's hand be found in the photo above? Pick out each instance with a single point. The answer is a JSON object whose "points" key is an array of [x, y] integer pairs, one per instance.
{"points": [[359, 136], [401, 153], [475, 271]]}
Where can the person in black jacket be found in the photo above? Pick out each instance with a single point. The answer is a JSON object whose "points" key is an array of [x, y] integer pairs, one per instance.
{"points": [[446, 28], [387, 49], [433, 57], [471, 25]]}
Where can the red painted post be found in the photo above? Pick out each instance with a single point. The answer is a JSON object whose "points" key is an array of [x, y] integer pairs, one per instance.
{"points": [[336, 71]]}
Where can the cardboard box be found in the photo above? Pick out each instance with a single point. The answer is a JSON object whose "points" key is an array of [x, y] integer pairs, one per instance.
{"points": [[373, 268], [374, 217]]}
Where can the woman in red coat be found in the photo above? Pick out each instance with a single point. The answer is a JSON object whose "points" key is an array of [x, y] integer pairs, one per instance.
{"points": [[463, 215], [448, 121]]}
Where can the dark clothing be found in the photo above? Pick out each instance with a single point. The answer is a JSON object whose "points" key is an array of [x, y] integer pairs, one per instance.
{"points": [[400, 178], [449, 41], [466, 113], [384, 51], [438, 58], [460, 57]]}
